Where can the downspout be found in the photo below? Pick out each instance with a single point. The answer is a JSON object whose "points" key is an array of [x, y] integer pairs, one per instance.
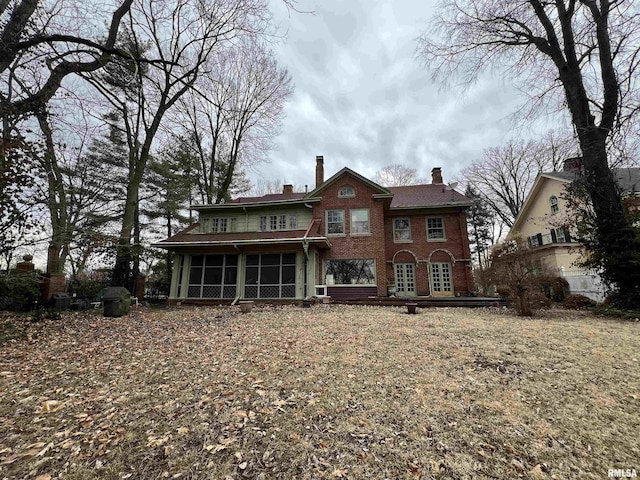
{"points": [[305, 248], [235, 300]]}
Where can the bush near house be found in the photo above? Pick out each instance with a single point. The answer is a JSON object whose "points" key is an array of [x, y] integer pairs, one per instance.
{"points": [[578, 302], [19, 292]]}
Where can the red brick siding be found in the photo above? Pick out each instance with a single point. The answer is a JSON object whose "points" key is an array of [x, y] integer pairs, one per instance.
{"points": [[356, 246], [457, 243]]}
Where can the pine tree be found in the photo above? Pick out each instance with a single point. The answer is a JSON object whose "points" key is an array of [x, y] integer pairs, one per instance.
{"points": [[480, 218]]}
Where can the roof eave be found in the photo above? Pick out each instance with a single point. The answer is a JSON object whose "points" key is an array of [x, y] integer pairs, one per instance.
{"points": [[231, 243], [433, 206], [230, 206]]}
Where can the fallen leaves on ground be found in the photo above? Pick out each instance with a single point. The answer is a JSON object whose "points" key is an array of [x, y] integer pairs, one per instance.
{"points": [[327, 392]]}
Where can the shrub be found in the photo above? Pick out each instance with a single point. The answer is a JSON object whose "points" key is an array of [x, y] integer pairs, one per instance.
{"points": [[577, 302], [86, 287], [19, 292]]}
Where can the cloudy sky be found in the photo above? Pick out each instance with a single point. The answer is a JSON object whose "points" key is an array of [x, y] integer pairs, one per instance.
{"points": [[363, 100]]}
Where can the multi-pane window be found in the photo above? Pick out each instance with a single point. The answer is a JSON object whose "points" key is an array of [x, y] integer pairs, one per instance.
{"points": [[435, 228], [205, 225], [346, 191], [220, 225], [277, 222], [270, 276], [356, 271], [359, 220], [335, 222], [401, 229], [553, 203], [213, 276], [441, 277]]}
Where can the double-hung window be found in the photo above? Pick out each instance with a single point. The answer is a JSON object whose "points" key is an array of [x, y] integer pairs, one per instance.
{"points": [[335, 222], [435, 229], [360, 221], [401, 229]]}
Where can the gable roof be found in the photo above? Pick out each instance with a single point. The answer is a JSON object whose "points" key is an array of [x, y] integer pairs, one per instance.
{"points": [[347, 171], [426, 195], [628, 179], [271, 197]]}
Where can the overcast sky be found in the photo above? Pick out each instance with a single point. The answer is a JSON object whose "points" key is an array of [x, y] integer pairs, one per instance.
{"points": [[363, 100]]}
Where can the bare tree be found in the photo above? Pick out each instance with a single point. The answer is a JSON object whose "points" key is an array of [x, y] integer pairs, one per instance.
{"points": [[581, 56], [235, 123], [182, 35], [33, 36], [504, 175], [397, 175]]}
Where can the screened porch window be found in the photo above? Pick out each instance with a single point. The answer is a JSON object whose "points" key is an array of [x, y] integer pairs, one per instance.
{"points": [[213, 276], [270, 276]]}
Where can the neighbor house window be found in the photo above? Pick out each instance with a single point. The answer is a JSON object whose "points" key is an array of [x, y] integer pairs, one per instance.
{"points": [[352, 271], [435, 228], [273, 222], [553, 202], [263, 224], [335, 222], [205, 225], [233, 224], [346, 191], [293, 222], [282, 223], [401, 229], [359, 221]]}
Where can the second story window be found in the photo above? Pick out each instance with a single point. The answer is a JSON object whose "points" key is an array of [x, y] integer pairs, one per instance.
{"points": [[293, 222], [359, 221], [273, 222], [263, 223], [282, 222], [435, 229], [346, 191], [553, 203], [335, 222], [401, 229]]}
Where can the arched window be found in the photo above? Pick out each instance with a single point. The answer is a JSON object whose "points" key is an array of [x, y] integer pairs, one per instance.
{"points": [[553, 202], [346, 191]]}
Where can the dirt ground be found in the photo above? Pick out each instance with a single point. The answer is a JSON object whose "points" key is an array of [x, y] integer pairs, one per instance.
{"points": [[326, 392]]}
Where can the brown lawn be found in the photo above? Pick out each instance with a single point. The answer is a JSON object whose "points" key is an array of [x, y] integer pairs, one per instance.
{"points": [[326, 392]]}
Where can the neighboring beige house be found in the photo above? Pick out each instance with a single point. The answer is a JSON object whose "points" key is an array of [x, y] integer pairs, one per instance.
{"points": [[540, 224]]}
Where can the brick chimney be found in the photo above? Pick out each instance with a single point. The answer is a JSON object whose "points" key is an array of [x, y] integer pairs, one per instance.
{"points": [[319, 170], [287, 189], [572, 165], [436, 175]]}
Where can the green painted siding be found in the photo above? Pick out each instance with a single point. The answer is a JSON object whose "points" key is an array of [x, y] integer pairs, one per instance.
{"points": [[250, 222]]}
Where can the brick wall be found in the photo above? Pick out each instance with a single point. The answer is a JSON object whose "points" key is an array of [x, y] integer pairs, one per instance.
{"points": [[420, 250], [350, 246]]}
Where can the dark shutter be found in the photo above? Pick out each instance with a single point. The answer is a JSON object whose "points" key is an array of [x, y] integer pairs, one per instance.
{"points": [[567, 235], [554, 237], [539, 239]]}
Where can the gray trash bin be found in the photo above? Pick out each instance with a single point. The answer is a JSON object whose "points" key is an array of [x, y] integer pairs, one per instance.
{"points": [[117, 302], [61, 301]]}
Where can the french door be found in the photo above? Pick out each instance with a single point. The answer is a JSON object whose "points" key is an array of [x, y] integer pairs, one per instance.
{"points": [[441, 281], [405, 279]]}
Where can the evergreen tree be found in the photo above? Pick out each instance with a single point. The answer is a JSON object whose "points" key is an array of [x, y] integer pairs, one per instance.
{"points": [[480, 217]]}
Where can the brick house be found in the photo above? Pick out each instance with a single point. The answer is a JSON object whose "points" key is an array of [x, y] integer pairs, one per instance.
{"points": [[347, 238]]}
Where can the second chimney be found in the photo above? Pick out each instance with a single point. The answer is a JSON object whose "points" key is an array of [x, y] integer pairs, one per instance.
{"points": [[572, 165], [436, 175], [319, 170], [287, 189]]}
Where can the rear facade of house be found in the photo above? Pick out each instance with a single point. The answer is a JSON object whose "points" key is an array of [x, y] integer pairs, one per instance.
{"points": [[348, 238]]}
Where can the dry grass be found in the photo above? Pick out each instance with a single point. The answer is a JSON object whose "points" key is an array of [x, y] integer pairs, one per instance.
{"points": [[353, 392]]}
